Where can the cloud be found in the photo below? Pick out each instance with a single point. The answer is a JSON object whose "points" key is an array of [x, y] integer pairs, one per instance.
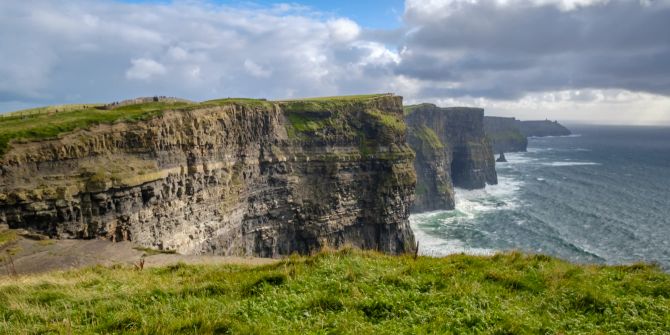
{"points": [[343, 30], [106, 50], [145, 69], [508, 49], [502, 54], [256, 70]]}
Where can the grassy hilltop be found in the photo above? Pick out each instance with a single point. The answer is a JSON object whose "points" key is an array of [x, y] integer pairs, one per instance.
{"points": [[52, 121], [346, 292]]}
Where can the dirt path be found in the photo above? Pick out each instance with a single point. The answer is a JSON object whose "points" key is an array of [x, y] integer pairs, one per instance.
{"points": [[32, 255]]}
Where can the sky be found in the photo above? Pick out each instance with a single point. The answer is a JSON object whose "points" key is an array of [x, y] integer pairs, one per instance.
{"points": [[596, 61]]}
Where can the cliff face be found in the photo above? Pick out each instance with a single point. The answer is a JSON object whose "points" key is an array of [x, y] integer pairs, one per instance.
{"points": [[452, 150], [505, 134], [237, 178], [542, 128]]}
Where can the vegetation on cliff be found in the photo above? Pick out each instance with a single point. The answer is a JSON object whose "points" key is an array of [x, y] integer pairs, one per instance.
{"points": [[507, 139], [345, 292], [47, 123], [306, 115]]}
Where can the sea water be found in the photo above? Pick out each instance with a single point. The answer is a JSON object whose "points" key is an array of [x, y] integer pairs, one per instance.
{"points": [[599, 196]]}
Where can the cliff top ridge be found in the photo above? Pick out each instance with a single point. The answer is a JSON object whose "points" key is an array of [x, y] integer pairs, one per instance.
{"points": [[53, 121], [409, 109]]}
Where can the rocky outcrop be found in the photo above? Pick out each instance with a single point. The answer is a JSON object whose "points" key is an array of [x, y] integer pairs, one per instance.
{"points": [[239, 177], [543, 128], [452, 150], [501, 158], [505, 134]]}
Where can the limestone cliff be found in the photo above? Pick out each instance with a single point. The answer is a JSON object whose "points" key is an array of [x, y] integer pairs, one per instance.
{"points": [[229, 177], [542, 128], [452, 150], [505, 134]]}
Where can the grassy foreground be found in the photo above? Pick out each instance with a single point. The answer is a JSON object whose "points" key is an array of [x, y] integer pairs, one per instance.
{"points": [[348, 292]]}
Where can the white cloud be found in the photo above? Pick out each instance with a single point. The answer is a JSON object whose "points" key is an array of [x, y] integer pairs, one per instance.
{"points": [[145, 69], [56, 52], [343, 30], [256, 70]]}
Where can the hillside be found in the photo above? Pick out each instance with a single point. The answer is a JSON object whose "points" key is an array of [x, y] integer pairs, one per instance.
{"points": [[346, 292]]}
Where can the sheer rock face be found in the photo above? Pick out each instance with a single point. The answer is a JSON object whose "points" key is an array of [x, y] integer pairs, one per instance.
{"points": [[505, 134], [463, 156], [236, 179]]}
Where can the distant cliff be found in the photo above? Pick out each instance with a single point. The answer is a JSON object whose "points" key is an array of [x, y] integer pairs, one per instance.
{"points": [[451, 150], [543, 128], [511, 135], [505, 134], [229, 177]]}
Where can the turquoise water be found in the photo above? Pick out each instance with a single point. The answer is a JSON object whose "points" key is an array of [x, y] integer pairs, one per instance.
{"points": [[600, 196]]}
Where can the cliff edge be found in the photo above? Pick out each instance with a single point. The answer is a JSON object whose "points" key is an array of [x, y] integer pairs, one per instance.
{"points": [[505, 134], [452, 151], [543, 128], [226, 177]]}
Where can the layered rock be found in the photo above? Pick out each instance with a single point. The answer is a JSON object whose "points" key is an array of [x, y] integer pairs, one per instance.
{"points": [[234, 178], [452, 151], [505, 134]]}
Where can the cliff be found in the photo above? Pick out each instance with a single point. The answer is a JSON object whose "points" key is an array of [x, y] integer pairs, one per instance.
{"points": [[451, 149], [542, 128], [505, 134], [228, 177]]}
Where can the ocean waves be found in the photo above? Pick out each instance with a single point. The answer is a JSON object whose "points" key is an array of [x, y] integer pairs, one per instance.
{"points": [[578, 198]]}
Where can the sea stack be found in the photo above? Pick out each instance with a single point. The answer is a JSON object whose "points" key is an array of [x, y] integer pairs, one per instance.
{"points": [[502, 158]]}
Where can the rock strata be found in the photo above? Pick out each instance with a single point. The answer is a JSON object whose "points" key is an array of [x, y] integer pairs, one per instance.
{"points": [[452, 151], [234, 178]]}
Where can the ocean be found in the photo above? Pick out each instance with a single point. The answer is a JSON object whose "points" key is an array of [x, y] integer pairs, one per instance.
{"points": [[601, 195]]}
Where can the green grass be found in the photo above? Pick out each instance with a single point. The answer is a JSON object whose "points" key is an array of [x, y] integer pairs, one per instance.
{"points": [[37, 126], [347, 292], [50, 122], [50, 109], [409, 109], [428, 136], [151, 252], [388, 120], [7, 237], [360, 97], [344, 118], [327, 104]]}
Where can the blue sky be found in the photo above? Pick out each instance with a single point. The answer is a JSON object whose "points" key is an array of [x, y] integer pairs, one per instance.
{"points": [[374, 14]]}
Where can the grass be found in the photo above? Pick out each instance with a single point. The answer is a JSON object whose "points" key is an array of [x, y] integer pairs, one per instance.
{"points": [[346, 292], [151, 252], [327, 104], [50, 122], [409, 109], [428, 136], [7, 237], [344, 118], [38, 126], [51, 109], [340, 98]]}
